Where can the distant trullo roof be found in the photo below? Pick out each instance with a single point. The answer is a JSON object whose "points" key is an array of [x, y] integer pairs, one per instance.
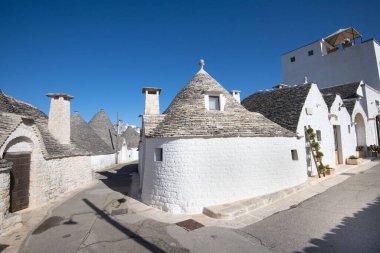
{"points": [[103, 127], [132, 137], [85, 137], [283, 106], [188, 116]]}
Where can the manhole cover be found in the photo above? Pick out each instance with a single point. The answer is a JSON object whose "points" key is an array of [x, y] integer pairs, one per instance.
{"points": [[189, 224], [119, 211]]}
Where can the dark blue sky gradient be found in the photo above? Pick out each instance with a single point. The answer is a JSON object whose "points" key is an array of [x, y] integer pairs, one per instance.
{"points": [[104, 52]]}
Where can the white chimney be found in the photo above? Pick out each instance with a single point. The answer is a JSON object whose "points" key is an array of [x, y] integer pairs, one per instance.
{"points": [[59, 116], [152, 105], [236, 95]]}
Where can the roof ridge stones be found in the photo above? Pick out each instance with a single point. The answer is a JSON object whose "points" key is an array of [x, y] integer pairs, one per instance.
{"points": [[187, 115]]}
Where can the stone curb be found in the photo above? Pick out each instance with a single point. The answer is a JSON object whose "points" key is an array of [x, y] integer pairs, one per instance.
{"points": [[233, 210]]}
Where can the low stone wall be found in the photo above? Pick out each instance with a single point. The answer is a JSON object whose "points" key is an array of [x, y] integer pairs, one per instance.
{"points": [[100, 162], [51, 178]]}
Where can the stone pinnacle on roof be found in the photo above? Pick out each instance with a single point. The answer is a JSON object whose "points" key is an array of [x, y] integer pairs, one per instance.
{"points": [[202, 64]]}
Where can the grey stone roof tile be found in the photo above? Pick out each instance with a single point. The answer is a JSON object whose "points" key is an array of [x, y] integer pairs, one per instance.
{"points": [[104, 128], [187, 115], [346, 91], [86, 138], [282, 106], [132, 137]]}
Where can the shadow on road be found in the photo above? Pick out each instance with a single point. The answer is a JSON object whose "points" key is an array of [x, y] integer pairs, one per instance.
{"points": [[360, 233], [124, 180], [138, 239]]}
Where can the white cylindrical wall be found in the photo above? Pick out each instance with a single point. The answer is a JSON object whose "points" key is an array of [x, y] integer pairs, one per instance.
{"points": [[200, 172]]}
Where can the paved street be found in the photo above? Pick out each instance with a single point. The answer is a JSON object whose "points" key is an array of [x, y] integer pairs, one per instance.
{"points": [[345, 218]]}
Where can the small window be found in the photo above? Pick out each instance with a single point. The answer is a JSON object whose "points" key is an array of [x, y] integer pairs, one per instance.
{"points": [[349, 128], [294, 154], [158, 155], [377, 103], [213, 103], [292, 59], [319, 136], [310, 53]]}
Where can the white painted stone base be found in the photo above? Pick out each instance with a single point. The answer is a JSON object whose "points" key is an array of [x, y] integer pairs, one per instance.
{"points": [[200, 172]]}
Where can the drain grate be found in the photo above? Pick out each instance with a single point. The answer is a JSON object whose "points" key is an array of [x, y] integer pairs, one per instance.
{"points": [[119, 211], [189, 224]]}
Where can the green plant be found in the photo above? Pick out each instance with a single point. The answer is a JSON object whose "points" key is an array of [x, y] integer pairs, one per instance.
{"points": [[319, 154], [315, 145], [310, 130], [359, 148], [322, 168], [327, 167], [353, 157]]}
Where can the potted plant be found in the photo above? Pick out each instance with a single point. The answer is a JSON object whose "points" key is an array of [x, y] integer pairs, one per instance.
{"points": [[373, 149], [354, 160], [310, 132], [315, 145], [360, 151], [329, 171], [319, 156], [322, 169]]}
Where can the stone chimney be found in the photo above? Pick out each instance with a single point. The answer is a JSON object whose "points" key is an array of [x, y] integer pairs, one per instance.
{"points": [[59, 116], [152, 105], [236, 95]]}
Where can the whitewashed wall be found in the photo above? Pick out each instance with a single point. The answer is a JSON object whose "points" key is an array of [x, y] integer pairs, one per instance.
{"points": [[335, 68], [199, 172], [358, 109], [101, 162], [318, 120], [369, 105], [48, 178], [347, 130]]}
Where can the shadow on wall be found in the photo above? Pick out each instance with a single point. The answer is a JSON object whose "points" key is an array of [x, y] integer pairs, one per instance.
{"points": [[124, 180], [360, 233]]}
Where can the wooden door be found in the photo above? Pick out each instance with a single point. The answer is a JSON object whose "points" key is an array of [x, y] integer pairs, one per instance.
{"points": [[19, 188]]}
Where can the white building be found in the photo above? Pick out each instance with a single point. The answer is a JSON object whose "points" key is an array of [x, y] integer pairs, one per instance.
{"points": [[340, 125], [207, 149], [341, 64], [336, 59]]}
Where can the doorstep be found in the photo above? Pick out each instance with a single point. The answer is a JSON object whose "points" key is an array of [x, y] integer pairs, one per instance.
{"points": [[229, 211]]}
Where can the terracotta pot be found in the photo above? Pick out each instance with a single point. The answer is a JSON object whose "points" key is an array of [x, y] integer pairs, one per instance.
{"points": [[354, 161]]}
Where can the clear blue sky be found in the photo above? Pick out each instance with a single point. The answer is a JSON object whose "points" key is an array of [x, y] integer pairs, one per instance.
{"points": [[104, 52]]}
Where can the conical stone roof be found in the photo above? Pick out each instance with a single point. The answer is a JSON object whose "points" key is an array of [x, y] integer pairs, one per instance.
{"points": [[132, 137], [103, 127], [187, 115], [86, 138]]}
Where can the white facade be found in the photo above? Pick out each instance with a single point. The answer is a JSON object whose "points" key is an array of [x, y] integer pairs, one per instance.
{"points": [[358, 62], [100, 162], [315, 115], [199, 172]]}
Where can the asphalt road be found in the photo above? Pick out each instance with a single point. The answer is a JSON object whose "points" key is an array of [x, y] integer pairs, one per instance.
{"points": [[345, 218]]}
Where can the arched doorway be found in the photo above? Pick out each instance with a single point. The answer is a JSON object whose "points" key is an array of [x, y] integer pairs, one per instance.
{"points": [[378, 129], [360, 130], [18, 152]]}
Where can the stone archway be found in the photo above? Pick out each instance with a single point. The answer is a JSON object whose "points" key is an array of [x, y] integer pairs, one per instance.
{"points": [[18, 151], [360, 130]]}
